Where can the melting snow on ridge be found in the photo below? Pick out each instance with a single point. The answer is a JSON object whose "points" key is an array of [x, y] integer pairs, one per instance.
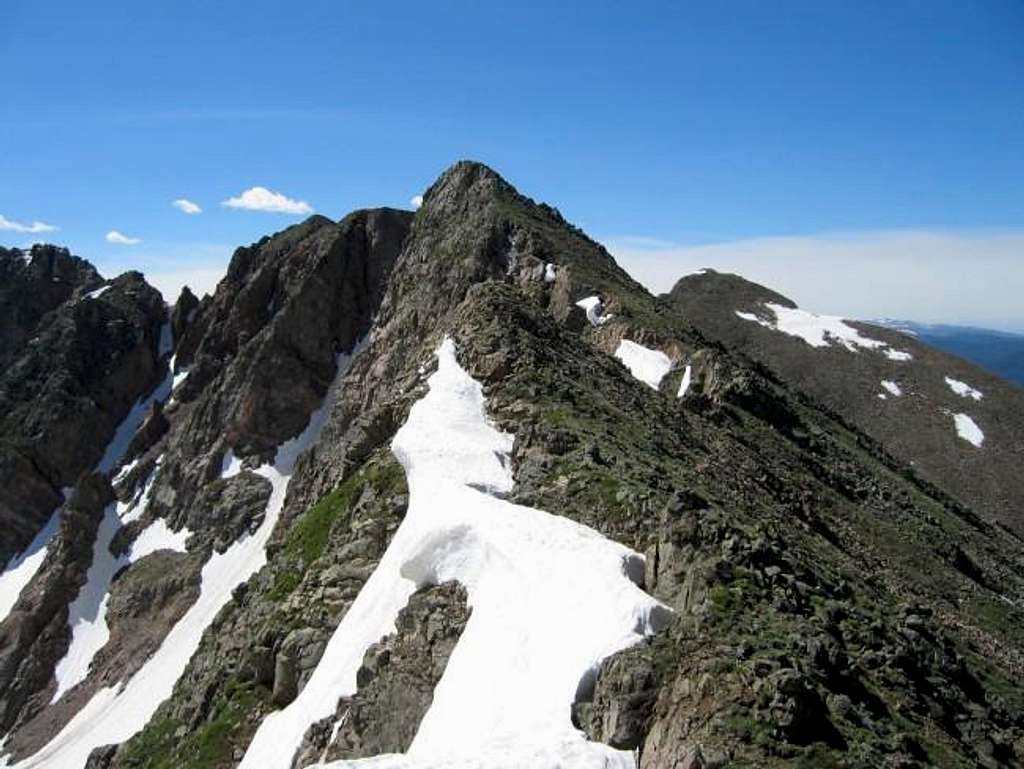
{"points": [[963, 389], [821, 330], [550, 599], [968, 429], [647, 365], [684, 385], [892, 387], [116, 713], [594, 308]]}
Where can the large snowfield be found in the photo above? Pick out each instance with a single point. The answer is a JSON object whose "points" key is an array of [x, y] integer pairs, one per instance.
{"points": [[550, 599], [116, 713]]}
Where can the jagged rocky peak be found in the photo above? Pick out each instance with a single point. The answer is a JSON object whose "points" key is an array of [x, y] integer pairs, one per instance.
{"points": [[33, 283], [268, 338], [183, 313]]}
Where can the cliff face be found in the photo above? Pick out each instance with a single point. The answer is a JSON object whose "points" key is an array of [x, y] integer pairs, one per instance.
{"points": [[754, 578]]}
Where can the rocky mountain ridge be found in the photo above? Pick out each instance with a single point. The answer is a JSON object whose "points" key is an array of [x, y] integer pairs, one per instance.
{"points": [[957, 424], [831, 606]]}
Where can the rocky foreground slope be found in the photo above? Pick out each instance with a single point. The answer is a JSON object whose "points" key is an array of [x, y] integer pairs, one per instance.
{"points": [[451, 489]]}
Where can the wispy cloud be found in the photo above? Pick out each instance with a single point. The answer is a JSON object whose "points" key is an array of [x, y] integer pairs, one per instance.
{"points": [[973, 277], [121, 239], [10, 225], [262, 199], [416, 201], [186, 206]]}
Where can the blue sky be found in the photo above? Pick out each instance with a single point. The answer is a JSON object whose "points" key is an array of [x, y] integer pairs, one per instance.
{"points": [[661, 128]]}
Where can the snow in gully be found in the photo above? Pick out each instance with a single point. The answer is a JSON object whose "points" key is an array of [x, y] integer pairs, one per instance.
{"points": [[550, 600], [117, 712]]}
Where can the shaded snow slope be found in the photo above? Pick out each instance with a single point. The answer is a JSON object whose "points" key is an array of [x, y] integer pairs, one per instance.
{"points": [[22, 567], [550, 599], [647, 365], [116, 713], [131, 423], [821, 330], [87, 614]]}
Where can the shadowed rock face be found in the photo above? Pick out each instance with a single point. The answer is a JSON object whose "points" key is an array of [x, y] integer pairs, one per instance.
{"points": [[34, 283], [65, 391], [917, 425]]}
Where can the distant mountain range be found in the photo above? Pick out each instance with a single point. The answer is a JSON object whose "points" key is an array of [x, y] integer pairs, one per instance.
{"points": [[999, 351]]}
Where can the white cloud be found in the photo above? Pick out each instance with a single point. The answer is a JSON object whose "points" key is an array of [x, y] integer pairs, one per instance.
{"points": [[186, 206], [13, 226], [262, 199], [933, 276], [416, 201], [122, 240]]}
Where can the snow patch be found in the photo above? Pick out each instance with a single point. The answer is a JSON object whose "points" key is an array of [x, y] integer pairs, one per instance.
{"points": [[549, 273], [550, 599], [117, 712], [158, 536], [594, 308], [645, 364], [820, 330], [130, 424], [968, 429], [87, 614], [97, 293], [21, 568], [892, 387], [963, 389], [684, 385]]}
